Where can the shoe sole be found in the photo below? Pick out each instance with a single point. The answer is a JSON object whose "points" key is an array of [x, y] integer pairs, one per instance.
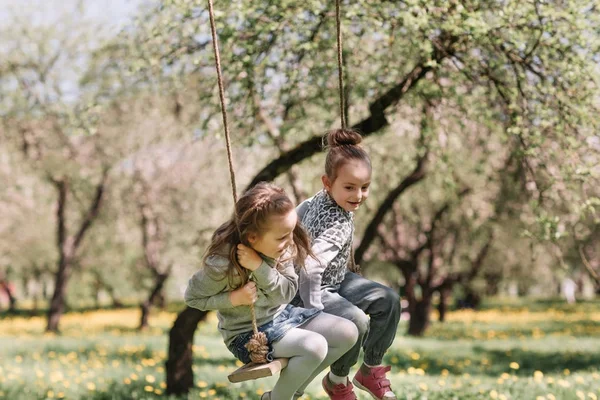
{"points": [[361, 387]]}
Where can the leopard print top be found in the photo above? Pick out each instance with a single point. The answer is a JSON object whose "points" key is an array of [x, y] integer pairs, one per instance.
{"points": [[325, 220]]}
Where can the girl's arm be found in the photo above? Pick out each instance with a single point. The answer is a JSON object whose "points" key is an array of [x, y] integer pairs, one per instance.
{"points": [[312, 273], [207, 290], [278, 285], [325, 247]]}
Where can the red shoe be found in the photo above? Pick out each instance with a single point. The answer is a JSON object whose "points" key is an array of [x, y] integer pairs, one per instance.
{"points": [[375, 383], [338, 392]]}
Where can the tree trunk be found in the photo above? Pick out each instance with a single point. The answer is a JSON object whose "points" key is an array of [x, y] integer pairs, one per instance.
{"points": [[158, 286], [180, 377], [443, 305], [12, 301], [97, 287], [57, 303], [161, 300], [68, 244], [419, 316]]}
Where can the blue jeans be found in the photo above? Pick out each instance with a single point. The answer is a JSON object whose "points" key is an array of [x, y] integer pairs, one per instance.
{"points": [[374, 309], [290, 317]]}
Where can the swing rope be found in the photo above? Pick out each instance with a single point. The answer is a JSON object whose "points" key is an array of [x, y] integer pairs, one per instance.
{"points": [[257, 345], [338, 21]]}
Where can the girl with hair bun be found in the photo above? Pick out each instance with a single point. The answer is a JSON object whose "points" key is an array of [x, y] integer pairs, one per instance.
{"points": [[327, 284]]}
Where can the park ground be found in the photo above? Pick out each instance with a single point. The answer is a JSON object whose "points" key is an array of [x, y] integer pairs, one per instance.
{"points": [[540, 350]]}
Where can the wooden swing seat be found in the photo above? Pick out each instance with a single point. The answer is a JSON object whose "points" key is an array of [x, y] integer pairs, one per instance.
{"points": [[252, 371]]}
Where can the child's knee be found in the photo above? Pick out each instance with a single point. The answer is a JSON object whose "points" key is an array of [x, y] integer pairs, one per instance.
{"points": [[392, 300], [361, 321], [316, 348], [348, 333]]}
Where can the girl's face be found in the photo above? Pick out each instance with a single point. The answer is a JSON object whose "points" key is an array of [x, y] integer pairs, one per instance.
{"points": [[277, 237], [351, 186]]}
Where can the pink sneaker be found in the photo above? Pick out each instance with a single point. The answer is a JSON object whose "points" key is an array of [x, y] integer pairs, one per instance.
{"points": [[338, 392], [375, 383]]}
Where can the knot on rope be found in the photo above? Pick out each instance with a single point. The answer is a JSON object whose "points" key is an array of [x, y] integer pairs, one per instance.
{"points": [[258, 348]]}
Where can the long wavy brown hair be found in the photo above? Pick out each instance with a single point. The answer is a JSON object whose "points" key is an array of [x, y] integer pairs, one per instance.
{"points": [[251, 216]]}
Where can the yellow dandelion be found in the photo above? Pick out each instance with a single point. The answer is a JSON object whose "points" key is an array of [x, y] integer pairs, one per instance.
{"points": [[567, 372], [514, 365], [202, 384], [494, 394], [563, 383], [50, 394], [212, 392], [158, 391], [445, 372], [203, 394], [592, 396], [538, 375], [150, 379], [127, 381], [163, 385], [579, 379], [423, 387], [60, 395], [91, 386], [148, 388]]}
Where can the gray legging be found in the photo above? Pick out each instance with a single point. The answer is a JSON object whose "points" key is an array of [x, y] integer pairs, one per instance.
{"points": [[311, 348]]}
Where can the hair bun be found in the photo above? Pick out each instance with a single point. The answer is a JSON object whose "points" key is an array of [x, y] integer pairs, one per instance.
{"points": [[343, 137]]}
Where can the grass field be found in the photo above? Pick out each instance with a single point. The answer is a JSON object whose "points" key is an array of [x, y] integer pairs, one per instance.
{"points": [[539, 350]]}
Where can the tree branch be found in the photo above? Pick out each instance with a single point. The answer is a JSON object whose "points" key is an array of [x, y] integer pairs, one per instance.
{"points": [[415, 176], [93, 210], [368, 126], [588, 266]]}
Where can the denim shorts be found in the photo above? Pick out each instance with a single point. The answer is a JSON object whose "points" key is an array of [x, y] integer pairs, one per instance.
{"points": [[288, 318]]}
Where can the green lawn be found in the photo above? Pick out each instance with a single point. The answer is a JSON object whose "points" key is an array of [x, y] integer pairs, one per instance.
{"points": [[541, 350]]}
